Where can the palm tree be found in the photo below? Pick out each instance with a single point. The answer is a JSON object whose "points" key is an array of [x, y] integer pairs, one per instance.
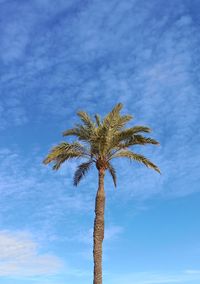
{"points": [[98, 142]]}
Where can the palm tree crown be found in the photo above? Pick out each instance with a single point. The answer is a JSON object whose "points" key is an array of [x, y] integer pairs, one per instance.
{"points": [[99, 141]]}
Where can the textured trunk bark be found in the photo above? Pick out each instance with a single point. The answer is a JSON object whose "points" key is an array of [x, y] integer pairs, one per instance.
{"points": [[98, 234]]}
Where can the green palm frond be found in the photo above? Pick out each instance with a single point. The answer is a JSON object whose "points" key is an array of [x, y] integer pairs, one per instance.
{"points": [[81, 171], [110, 126], [112, 172], [86, 119], [141, 140], [82, 132], [123, 120], [125, 138], [139, 128], [129, 132], [136, 157], [137, 140], [112, 118], [72, 132], [63, 152], [114, 121], [64, 148]]}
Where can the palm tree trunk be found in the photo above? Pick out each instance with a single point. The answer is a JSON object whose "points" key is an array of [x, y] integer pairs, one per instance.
{"points": [[98, 234]]}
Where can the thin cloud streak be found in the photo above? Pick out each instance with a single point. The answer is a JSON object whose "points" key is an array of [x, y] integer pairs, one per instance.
{"points": [[59, 58]]}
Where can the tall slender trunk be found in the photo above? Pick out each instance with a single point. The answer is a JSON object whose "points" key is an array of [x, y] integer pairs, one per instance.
{"points": [[98, 234]]}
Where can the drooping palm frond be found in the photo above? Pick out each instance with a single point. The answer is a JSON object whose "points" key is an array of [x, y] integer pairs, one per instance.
{"points": [[64, 148], [136, 157], [141, 140], [123, 138], [129, 132], [137, 140], [65, 151], [72, 132], [112, 172], [81, 171], [139, 128]]}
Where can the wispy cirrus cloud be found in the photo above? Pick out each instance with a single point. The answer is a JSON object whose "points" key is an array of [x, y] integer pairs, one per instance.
{"points": [[90, 64], [20, 256], [58, 58], [156, 78], [24, 181]]}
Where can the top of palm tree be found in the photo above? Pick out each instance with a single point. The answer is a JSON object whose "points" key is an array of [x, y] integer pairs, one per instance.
{"points": [[101, 140]]}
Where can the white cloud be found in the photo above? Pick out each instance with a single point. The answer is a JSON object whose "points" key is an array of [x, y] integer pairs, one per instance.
{"points": [[20, 256], [27, 180]]}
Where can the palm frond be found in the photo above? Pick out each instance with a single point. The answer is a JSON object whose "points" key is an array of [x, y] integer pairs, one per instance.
{"points": [[82, 132], [63, 152], [111, 125], [72, 132], [86, 119], [141, 140], [136, 157], [125, 138], [98, 119], [139, 128], [129, 132], [81, 171], [112, 118], [112, 172], [123, 120], [137, 140]]}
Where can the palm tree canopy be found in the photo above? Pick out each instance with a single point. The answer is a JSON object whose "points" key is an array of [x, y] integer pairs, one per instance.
{"points": [[101, 140]]}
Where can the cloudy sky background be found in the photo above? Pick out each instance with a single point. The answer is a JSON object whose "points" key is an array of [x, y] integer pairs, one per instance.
{"points": [[57, 57]]}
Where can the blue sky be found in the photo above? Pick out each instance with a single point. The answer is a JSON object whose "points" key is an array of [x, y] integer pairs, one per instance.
{"points": [[57, 57]]}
